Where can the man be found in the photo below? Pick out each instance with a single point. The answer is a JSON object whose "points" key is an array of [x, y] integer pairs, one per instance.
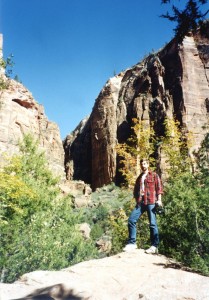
{"points": [[147, 192]]}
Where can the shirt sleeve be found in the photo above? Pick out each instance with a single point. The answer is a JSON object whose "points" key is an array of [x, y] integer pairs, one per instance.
{"points": [[158, 185], [136, 188]]}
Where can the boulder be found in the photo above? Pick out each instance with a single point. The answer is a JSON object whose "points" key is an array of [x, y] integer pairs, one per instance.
{"points": [[85, 230]]}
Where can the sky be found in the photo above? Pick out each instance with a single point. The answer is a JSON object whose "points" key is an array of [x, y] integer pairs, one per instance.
{"points": [[65, 50]]}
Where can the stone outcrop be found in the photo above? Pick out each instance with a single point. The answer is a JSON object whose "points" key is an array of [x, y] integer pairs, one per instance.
{"points": [[80, 192], [21, 114], [127, 276], [171, 82]]}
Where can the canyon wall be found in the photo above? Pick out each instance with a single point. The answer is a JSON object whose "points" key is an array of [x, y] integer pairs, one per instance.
{"points": [[21, 114], [173, 82]]}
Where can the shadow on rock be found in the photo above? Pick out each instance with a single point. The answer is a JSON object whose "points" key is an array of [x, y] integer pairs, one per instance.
{"points": [[175, 265], [55, 292]]}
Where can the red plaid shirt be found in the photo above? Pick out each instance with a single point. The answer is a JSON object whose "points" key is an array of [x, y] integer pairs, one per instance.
{"points": [[152, 188]]}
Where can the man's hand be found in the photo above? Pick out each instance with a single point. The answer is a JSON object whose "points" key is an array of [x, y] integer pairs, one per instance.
{"points": [[159, 202]]}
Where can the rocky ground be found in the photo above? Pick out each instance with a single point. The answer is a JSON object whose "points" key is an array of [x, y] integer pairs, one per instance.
{"points": [[125, 276]]}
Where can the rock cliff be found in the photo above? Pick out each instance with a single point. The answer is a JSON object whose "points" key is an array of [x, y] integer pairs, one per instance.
{"points": [[21, 114], [171, 82]]}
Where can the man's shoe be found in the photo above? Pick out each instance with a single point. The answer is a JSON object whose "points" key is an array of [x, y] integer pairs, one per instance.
{"points": [[152, 250], [129, 247]]}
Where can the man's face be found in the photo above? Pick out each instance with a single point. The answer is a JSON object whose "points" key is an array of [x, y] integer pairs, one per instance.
{"points": [[144, 166]]}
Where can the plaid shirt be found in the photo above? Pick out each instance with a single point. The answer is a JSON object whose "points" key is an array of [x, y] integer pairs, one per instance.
{"points": [[152, 188]]}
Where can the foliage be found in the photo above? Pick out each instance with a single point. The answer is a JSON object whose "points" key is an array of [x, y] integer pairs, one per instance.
{"points": [[184, 228], [16, 197], [174, 149], [32, 167], [140, 144], [38, 226], [119, 230], [32, 164], [143, 142], [27, 185], [50, 241], [187, 19], [105, 202], [7, 65], [202, 160], [97, 230]]}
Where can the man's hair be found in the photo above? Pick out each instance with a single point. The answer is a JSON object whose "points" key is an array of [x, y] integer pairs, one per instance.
{"points": [[144, 159]]}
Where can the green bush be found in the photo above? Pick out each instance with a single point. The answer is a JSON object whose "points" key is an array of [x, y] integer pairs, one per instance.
{"points": [[49, 242], [97, 231], [184, 228], [37, 225], [106, 201]]}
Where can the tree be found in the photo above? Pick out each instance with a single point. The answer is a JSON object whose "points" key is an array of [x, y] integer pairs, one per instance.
{"points": [[31, 167], [187, 19], [6, 65], [174, 149], [140, 144]]}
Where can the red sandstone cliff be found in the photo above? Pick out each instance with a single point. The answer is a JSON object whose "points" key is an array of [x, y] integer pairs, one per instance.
{"points": [[21, 114], [174, 81]]}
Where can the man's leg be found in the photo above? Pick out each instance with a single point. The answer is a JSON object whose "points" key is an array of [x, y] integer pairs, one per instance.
{"points": [[135, 215], [154, 235]]}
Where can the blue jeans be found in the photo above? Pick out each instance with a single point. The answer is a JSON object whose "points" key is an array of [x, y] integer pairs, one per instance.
{"points": [[135, 215]]}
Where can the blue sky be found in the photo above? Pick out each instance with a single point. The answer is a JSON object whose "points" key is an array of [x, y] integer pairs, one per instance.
{"points": [[65, 50]]}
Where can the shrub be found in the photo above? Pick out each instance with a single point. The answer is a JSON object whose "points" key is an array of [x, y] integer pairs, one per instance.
{"points": [[184, 228], [49, 242], [37, 225]]}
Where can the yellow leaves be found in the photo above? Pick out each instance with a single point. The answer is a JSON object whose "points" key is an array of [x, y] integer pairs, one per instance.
{"points": [[14, 187], [139, 145], [175, 147], [12, 192], [118, 223], [120, 214], [13, 164]]}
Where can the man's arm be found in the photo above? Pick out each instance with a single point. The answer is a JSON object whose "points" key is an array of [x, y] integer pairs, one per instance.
{"points": [[159, 190], [136, 189]]}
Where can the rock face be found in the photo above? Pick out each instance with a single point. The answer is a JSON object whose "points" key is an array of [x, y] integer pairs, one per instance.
{"points": [[21, 114], [172, 82], [127, 276]]}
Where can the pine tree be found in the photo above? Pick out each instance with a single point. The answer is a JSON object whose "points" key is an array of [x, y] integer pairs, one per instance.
{"points": [[187, 19]]}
